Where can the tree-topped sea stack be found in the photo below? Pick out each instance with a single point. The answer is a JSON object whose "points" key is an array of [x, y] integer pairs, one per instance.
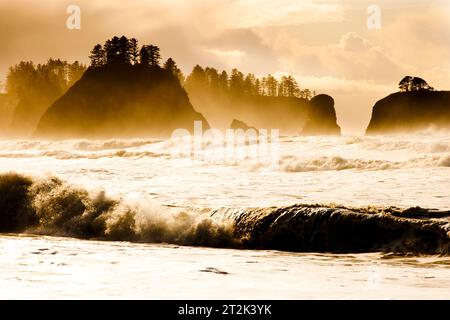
{"points": [[416, 107], [124, 93]]}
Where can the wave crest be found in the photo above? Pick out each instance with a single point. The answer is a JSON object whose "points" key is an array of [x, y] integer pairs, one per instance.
{"points": [[50, 206], [295, 164]]}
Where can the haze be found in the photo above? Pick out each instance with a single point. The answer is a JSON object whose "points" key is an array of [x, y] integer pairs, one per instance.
{"points": [[325, 44]]}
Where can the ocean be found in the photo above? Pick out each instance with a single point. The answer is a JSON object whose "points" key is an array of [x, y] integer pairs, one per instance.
{"points": [[183, 242]]}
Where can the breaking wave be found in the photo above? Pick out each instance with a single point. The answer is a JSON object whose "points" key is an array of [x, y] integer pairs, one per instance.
{"points": [[288, 163], [320, 228], [295, 164], [82, 145], [51, 207], [79, 149], [68, 155]]}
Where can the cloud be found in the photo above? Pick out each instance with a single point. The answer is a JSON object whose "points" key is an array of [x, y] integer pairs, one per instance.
{"points": [[352, 57], [324, 43], [353, 43], [421, 39], [232, 58], [37, 31], [269, 13]]}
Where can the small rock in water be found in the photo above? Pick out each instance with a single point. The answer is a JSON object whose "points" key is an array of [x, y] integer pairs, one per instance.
{"points": [[214, 270]]}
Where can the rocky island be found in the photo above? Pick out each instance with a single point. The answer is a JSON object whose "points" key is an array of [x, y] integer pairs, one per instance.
{"points": [[416, 107], [122, 94], [321, 119]]}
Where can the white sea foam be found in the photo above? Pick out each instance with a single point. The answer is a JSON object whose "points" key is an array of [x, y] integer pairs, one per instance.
{"points": [[404, 170]]}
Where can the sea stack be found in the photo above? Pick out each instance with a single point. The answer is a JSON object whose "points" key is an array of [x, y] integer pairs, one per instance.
{"points": [[237, 124], [322, 118], [410, 112], [120, 101]]}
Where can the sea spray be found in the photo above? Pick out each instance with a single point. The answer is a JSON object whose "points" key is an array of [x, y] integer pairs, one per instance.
{"points": [[52, 207], [318, 228]]}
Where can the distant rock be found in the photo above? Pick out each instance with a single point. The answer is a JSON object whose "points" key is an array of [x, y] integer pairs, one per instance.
{"points": [[237, 124], [321, 119], [120, 101], [287, 114], [410, 111]]}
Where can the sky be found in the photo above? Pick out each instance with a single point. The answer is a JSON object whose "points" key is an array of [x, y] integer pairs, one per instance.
{"points": [[325, 44]]}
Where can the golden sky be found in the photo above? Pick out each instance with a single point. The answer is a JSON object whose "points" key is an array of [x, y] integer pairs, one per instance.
{"points": [[325, 43]]}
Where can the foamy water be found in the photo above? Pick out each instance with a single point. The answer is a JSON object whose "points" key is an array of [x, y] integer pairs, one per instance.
{"points": [[389, 171], [400, 171], [61, 268]]}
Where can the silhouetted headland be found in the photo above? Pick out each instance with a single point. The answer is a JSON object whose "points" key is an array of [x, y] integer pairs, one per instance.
{"points": [[123, 94], [416, 107], [264, 102], [126, 93]]}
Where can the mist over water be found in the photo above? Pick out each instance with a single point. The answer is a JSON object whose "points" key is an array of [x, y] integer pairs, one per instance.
{"points": [[403, 170], [340, 191], [155, 195], [134, 190]]}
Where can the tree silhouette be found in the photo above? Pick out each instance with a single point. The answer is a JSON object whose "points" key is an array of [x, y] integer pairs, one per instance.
{"points": [[307, 94], [115, 51], [170, 65], [119, 50], [257, 87], [197, 80], [420, 84], [150, 55], [126, 51], [212, 76], [408, 84], [133, 51], [270, 86], [20, 77], [405, 84], [154, 55], [289, 87], [249, 84], [112, 50], [223, 81], [124, 54], [144, 56], [236, 82], [98, 56], [238, 85], [53, 76], [75, 71], [34, 87]]}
